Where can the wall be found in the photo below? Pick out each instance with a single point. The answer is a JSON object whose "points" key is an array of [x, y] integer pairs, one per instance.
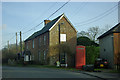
{"points": [[39, 47], [71, 40], [52, 46], [116, 46], [106, 49]]}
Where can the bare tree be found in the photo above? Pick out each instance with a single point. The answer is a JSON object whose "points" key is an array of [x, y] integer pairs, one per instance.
{"points": [[106, 28], [82, 33], [93, 32]]}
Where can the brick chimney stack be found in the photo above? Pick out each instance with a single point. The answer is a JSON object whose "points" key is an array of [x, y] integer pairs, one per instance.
{"points": [[46, 21]]}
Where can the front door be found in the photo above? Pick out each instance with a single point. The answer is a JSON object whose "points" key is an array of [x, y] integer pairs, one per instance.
{"points": [[62, 59]]}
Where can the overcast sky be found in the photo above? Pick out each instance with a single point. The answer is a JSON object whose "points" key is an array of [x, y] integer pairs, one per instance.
{"points": [[22, 16]]}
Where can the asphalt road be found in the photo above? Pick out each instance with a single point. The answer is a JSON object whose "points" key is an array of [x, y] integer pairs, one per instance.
{"points": [[30, 72]]}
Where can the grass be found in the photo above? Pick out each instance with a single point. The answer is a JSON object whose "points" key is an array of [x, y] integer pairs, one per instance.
{"points": [[99, 69], [63, 68], [43, 66], [108, 70], [114, 71]]}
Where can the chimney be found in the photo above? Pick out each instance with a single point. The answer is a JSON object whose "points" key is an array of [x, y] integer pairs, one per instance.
{"points": [[46, 21]]}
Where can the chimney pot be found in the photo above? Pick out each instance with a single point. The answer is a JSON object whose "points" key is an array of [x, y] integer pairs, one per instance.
{"points": [[46, 22]]}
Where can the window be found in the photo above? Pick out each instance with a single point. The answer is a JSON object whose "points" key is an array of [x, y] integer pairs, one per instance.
{"points": [[27, 45], [33, 43], [44, 55], [26, 58], [33, 57], [44, 40], [63, 37], [39, 41]]}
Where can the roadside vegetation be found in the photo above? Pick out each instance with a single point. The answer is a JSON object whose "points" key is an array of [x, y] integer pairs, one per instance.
{"points": [[87, 39]]}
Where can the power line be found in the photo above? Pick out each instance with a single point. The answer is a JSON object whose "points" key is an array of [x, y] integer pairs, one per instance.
{"points": [[48, 17], [99, 18], [79, 9], [42, 21], [58, 9], [86, 21], [41, 14], [32, 21]]}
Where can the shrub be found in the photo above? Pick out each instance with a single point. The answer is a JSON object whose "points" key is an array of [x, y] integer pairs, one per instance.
{"points": [[92, 53]]}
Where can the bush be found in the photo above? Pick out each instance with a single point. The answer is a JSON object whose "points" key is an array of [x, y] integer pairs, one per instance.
{"points": [[92, 53]]}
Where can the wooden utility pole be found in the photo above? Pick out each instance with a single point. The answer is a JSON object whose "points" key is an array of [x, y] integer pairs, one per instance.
{"points": [[8, 46], [20, 43], [16, 44]]}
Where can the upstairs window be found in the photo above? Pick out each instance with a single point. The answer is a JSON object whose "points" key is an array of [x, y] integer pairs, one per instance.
{"points": [[27, 45], [33, 43], [44, 40], [62, 37], [39, 41]]}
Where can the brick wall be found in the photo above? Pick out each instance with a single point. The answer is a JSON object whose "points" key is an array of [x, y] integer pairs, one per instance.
{"points": [[71, 36], [39, 47], [52, 46]]}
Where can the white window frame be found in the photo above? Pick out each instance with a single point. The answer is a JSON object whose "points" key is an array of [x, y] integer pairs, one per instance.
{"points": [[26, 57], [62, 37]]}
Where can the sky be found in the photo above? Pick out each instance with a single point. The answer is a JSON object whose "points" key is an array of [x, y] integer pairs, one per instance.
{"points": [[22, 16]]}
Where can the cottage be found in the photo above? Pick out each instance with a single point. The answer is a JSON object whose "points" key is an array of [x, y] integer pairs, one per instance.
{"points": [[110, 45], [55, 41]]}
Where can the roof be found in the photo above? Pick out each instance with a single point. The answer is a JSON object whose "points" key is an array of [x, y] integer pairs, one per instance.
{"points": [[115, 29], [48, 27], [44, 29]]}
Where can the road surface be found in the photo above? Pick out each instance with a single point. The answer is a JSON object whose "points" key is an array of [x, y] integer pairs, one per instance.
{"points": [[30, 72]]}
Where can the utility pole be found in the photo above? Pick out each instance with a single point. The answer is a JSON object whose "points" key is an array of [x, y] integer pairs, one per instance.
{"points": [[20, 43], [16, 44], [8, 46]]}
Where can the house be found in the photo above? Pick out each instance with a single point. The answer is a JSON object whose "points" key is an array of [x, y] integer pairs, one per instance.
{"points": [[110, 45], [55, 41]]}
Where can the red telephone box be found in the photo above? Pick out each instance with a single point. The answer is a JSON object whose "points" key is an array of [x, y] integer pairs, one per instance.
{"points": [[80, 57]]}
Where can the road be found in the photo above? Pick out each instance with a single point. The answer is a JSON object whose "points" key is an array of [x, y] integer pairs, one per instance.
{"points": [[30, 72]]}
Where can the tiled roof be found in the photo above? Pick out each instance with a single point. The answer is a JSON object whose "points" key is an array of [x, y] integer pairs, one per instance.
{"points": [[115, 29], [44, 29]]}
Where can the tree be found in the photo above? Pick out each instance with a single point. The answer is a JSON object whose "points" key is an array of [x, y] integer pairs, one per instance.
{"points": [[82, 33], [106, 28], [92, 53], [11, 54], [85, 41], [93, 32]]}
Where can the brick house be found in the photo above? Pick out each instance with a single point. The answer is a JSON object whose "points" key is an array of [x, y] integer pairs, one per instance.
{"points": [[55, 41], [110, 45]]}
